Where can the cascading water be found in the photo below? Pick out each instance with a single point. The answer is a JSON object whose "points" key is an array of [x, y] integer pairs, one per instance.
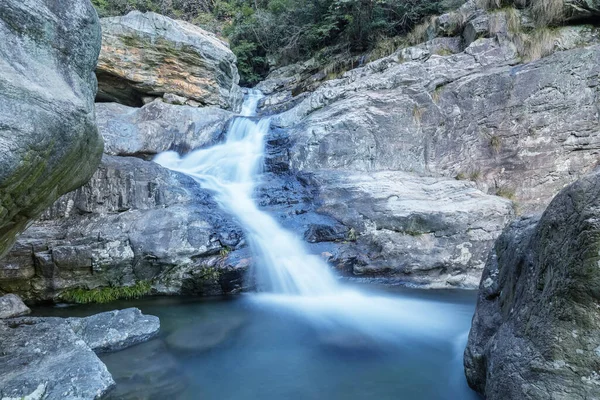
{"points": [[292, 278]]}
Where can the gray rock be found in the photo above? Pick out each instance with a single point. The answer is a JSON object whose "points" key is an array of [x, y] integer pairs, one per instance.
{"points": [[157, 127], [49, 143], [535, 330], [523, 129], [150, 54], [43, 355], [133, 221], [428, 231], [11, 306], [115, 330]]}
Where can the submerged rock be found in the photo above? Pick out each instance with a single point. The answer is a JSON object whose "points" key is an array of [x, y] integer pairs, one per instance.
{"points": [[205, 335], [535, 333], [11, 306], [150, 54], [49, 144]]}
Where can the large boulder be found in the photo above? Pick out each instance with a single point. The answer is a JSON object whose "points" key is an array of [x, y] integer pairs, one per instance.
{"points": [[11, 306], [53, 358], [536, 329], [49, 144], [150, 54], [157, 127], [133, 221]]}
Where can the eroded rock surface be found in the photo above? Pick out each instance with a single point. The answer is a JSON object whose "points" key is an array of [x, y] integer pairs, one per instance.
{"points": [[133, 221], [150, 54], [158, 127], [536, 329], [49, 144], [11, 306]]}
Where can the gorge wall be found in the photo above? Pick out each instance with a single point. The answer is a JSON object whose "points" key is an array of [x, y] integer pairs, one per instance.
{"points": [[405, 169]]}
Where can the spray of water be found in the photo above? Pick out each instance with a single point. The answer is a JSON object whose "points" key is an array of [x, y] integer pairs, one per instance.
{"points": [[290, 277]]}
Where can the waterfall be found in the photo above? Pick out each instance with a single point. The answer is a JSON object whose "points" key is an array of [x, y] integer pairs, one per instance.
{"points": [[231, 170], [291, 278]]}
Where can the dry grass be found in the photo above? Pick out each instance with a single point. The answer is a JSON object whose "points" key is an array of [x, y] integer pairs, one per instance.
{"points": [[420, 33], [548, 12], [418, 114], [536, 44]]}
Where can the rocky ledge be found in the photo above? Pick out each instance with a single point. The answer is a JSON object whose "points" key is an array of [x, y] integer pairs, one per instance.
{"points": [[536, 329], [55, 358]]}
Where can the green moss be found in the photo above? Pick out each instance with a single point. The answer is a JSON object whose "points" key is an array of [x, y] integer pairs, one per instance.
{"points": [[106, 294], [225, 251], [506, 192]]}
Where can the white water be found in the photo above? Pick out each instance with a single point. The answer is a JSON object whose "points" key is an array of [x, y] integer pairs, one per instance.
{"points": [[293, 279]]}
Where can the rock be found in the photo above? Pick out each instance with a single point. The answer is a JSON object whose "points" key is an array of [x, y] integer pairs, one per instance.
{"points": [[115, 330], [427, 231], [535, 330], [174, 99], [158, 127], [205, 335], [146, 371], [134, 221], [49, 143], [150, 54], [11, 306], [520, 130], [40, 355]]}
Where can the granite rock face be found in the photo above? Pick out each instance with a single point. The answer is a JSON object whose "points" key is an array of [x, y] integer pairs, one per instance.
{"points": [[523, 130], [158, 127], [134, 221], [150, 54], [11, 306], [536, 329], [49, 144]]}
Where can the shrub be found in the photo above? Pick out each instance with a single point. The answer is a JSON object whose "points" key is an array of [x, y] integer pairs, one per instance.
{"points": [[106, 294]]}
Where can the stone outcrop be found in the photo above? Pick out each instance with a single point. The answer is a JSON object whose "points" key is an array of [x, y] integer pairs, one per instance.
{"points": [[11, 306], [49, 144], [535, 333], [520, 130], [53, 358], [158, 127], [147, 54], [134, 221], [430, 232]]}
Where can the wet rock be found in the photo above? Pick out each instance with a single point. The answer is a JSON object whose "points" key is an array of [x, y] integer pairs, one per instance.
{"points": [[11, 306], [146, 371], [115, 330], [205, 335], [134, 221], [535, 330], [150, 54], [49, 144], [43, 355], [158, 127]]}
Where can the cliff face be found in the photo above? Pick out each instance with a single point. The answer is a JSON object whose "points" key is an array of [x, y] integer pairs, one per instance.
{"points": [[49, 144], [536, 330]]}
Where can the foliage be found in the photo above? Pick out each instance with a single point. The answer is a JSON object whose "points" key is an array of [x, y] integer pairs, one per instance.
{"points": [[106, 294], [267, 33]]}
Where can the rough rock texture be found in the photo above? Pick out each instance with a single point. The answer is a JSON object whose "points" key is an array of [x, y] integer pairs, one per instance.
{"points": [[522, 130], [427, 231], [115, 330], [133, 221], [49, 143], [157, 127], [11, 306], [536, 329], [54, 358], [40, 352], [150, 54]]}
